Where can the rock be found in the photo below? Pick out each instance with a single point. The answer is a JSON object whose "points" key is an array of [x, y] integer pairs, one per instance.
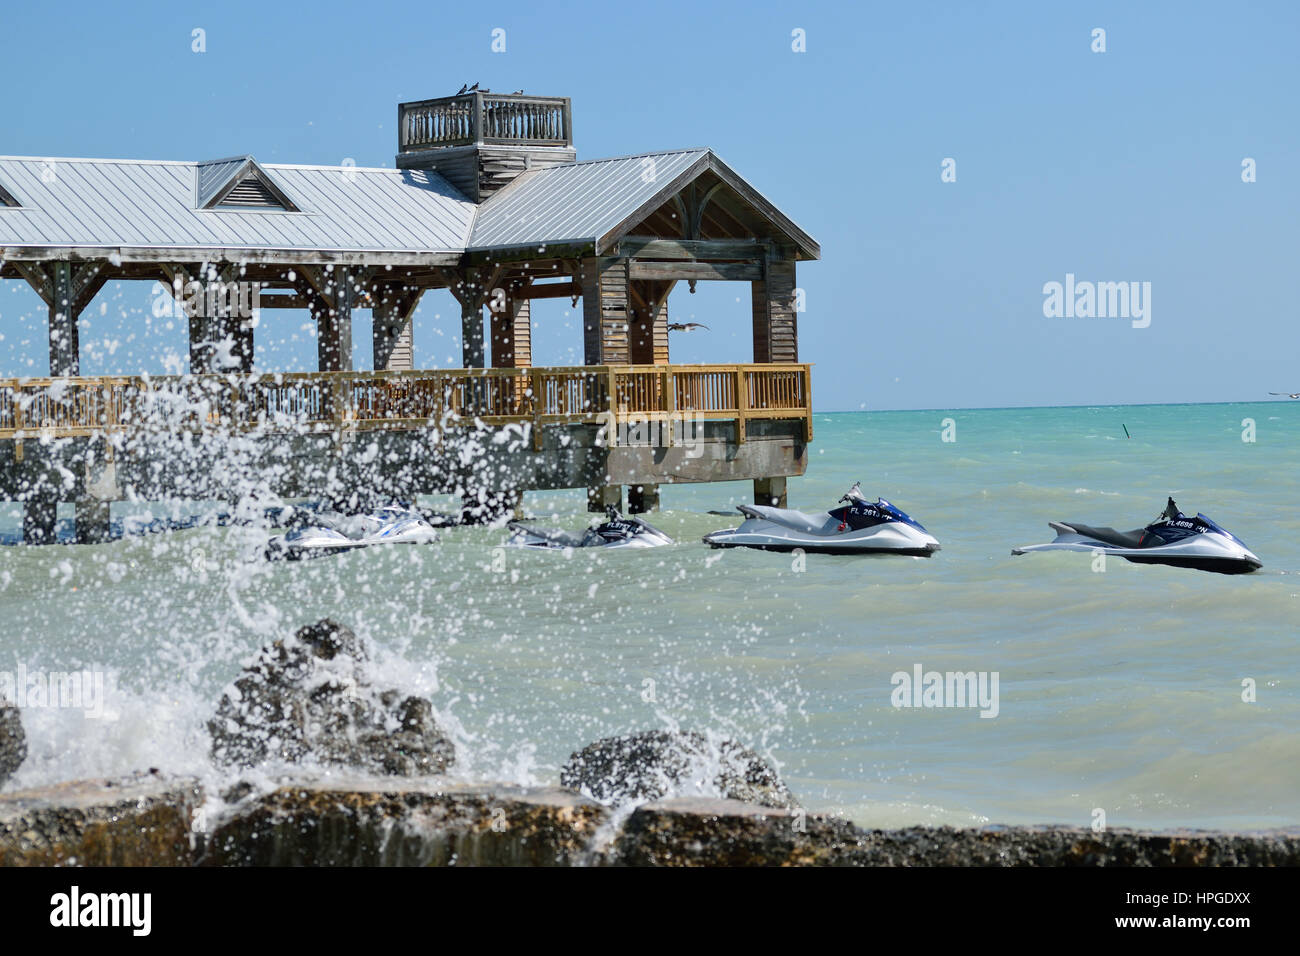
{"points": [[694, 831], [311, 698], [144, 820], [701, 832], [13, 741], [656, 763], [1072, 846], [377, 822]]}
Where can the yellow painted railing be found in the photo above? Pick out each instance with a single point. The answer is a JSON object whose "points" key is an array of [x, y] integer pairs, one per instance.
{"points": [[322, 401]]}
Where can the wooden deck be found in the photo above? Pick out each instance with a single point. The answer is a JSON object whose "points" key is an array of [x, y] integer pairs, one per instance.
{"points": [[616, 395]]}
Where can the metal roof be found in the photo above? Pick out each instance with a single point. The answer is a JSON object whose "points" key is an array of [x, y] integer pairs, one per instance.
{"points": [[576, 202], [149, 205], [143, 203]]}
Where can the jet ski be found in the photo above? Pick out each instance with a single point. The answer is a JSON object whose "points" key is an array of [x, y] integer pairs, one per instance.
{"points": [[1173, 539], [615, 532], [860, 527], [333, 532]]}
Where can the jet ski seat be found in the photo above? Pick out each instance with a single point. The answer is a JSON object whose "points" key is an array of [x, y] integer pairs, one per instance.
{"points": [[1120, 539], [563, 539]]}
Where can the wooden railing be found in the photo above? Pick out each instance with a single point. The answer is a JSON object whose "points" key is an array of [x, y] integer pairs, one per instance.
{"points": [[489, 118], [325, 401]]}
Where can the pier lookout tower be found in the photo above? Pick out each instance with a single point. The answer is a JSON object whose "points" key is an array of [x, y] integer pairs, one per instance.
{"points": [[488, 203]]}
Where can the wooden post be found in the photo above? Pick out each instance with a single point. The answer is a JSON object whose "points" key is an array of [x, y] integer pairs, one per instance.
{"points": [[65, 352], [742, 404], [668, 403], [471, 334], [537, 384], [511, 328], [334, 324]]}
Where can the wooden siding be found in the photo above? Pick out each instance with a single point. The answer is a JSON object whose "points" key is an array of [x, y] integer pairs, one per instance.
{"points": [[605, 311], [776, 334]]}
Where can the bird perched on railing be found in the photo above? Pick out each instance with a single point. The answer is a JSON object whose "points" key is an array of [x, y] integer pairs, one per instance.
{"points": [[463, 88], [517, 93], [686, 326]]}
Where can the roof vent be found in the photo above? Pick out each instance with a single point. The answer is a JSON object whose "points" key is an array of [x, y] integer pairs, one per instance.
{"points": [[239, 183], [250, 192]]}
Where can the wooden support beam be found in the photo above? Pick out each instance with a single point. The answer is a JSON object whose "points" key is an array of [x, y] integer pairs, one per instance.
{"points": [[648, 247], [511, 327], [65, 352], [556, 290], [37, 278], [726, 271], [293, 301], [334, 338], [86, 283], [471, 334], [472, 288]]}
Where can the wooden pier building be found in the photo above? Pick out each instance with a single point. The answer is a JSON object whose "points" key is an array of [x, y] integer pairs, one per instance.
{"points": [[489, 202]]}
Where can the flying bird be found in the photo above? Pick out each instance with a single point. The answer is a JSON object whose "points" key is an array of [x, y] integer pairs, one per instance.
{"points": [[1287, 394], [686, 326], [463, 88]]}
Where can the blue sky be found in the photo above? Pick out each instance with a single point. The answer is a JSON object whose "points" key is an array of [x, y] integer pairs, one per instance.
{"points": [[1118, 166]]}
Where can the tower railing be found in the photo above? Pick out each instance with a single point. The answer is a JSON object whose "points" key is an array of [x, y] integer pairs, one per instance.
{"points": [[496, 119]]}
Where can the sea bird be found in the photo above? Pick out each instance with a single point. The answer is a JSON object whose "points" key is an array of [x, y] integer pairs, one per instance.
{"points": [[463, 88], [1287, 394], [473, 88], [686, 326]]}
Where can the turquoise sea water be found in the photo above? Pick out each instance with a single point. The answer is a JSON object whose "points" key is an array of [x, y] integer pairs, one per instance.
{"points": [[1120, 691]]}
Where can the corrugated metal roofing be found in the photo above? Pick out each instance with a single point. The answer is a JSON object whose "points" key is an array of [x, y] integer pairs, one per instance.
{"points": [[117, 203], [576, 202]]}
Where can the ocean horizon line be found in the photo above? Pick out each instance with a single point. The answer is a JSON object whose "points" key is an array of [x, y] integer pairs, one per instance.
{"points": [[1001, 408]]}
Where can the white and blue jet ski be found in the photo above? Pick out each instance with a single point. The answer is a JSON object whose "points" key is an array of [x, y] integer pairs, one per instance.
{"points": [[1173, 538], [615, 532], [860, 527], [333, 532]]}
